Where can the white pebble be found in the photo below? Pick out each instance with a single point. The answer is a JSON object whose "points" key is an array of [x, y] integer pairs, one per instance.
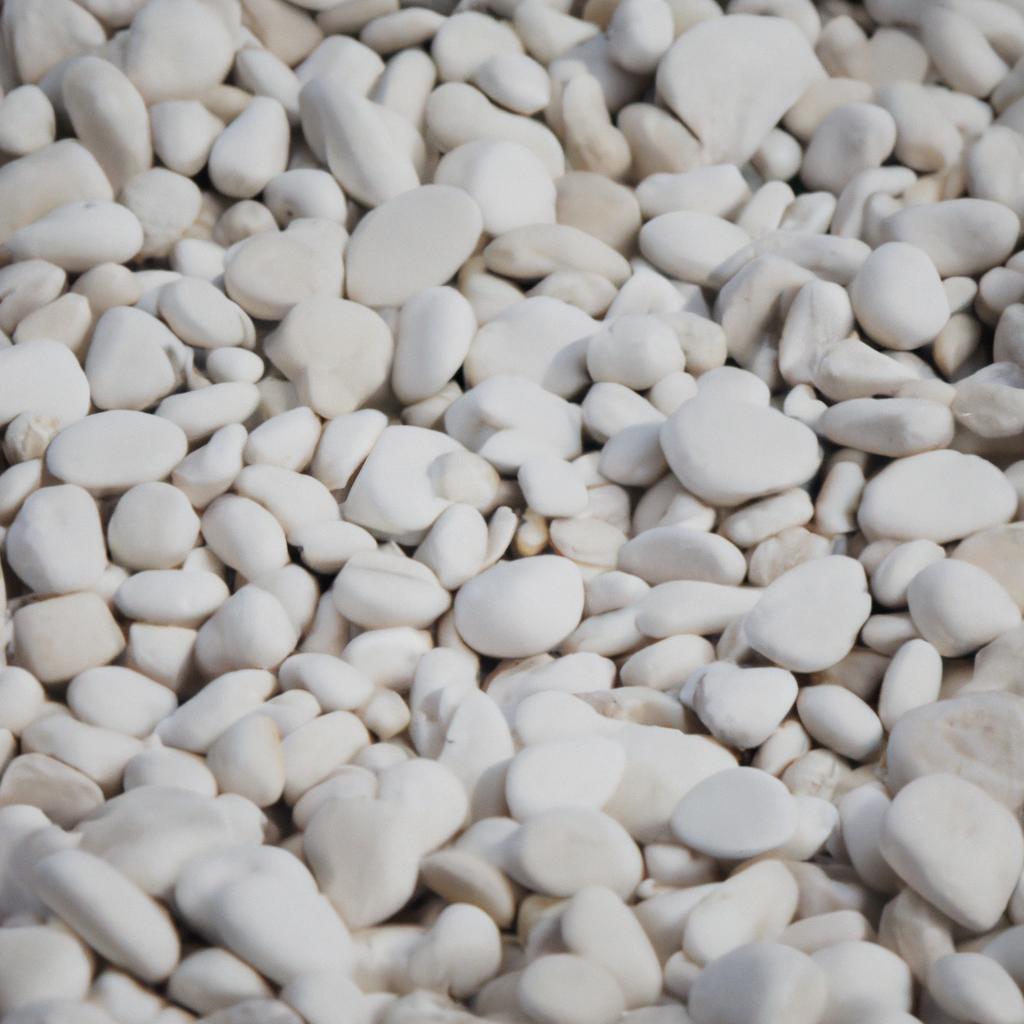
{"points": [[930, 837], [517, 609], [809, 618], [736, 814], [958, 607]]}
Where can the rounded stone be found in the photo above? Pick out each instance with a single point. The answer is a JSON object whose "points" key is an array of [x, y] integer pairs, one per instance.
{"points": [[956, 846], [416, 240], [808, 619], [939, 496], [728, 452], [735, 814], [520, 608], [109, 452]]}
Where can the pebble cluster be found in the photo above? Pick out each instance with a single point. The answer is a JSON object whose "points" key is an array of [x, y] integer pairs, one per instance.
{"points": [[511, 511]]}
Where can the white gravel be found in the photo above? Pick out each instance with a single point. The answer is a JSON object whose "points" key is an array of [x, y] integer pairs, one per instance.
{"points": [[510, 511]]}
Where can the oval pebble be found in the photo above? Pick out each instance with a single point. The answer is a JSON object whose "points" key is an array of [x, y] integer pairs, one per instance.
{"points": [[115, 917], [958, 607], [808, 619], [416, 240], [735, 814], [956, 846], [109, 452], [605, 853], [728, 452], [897, 297], [581, 772], [939, 496], [760, 982], [522, 608], [565, 989]]}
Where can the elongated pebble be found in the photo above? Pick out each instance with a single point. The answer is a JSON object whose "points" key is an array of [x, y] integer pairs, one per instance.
{"points": [[119, 920], [109, 452]]}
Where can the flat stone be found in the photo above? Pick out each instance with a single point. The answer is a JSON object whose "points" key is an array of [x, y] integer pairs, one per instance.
{"points": [[998, 551], [414, 241], [566, 989], [560, 852], [509, 182], [583, 771], [176, 50], [115, 917], [728, 452], [270, 273], [736, 814], [731, 80], [360, 852], [520, 608], [690, 245], [939, 496], [742, 707], [42, 379], [55, 543], [60, 637], [976, 736], [759, 983], [662, 766], [680, 553], [808, 619], [958, 607], [961, 236], [540, 338], [897, 297], [109, 452], [956, 846]]}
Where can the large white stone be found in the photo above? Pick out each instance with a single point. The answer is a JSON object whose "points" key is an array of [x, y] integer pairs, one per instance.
{"points": [[763, 983], [55, 543], [680, 553], [109, 452], [730, 80], [897, 296], [560, 852], [728, 452], [976, 736], [541, 338], [364, 857], [808, 619], [736, 814], [581, 771], [413, 241], [939, 496], [562, 988], [958, 607], [336, 353], [510, 183], [742, 707], [520, 608], [42, 379], [955, 846], [114, 916], [177, 49]]}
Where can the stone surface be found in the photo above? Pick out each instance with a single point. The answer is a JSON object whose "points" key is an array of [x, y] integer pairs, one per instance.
{"points": [[735, 814], [728, 452], [522, 608], [939, 496], [395, 251], [956, 846], [809, 618], [714, 79]]}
